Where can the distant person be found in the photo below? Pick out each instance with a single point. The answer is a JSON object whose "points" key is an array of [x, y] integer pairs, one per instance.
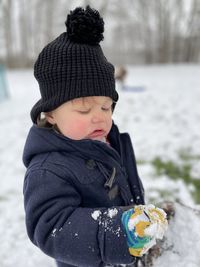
{"points": [[120, 75], [84, 200]]}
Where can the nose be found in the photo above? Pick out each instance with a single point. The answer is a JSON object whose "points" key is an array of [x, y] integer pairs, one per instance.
{"points": [[98, 117]]}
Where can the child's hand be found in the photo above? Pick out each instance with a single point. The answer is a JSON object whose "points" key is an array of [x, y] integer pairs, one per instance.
{"points": [[143, 224]]}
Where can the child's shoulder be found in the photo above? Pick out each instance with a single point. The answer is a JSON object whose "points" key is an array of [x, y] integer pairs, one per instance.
{"points": [[65, 165]]}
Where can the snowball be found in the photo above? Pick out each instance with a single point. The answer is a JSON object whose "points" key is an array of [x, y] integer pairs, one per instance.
{"points": [[151, 230]]}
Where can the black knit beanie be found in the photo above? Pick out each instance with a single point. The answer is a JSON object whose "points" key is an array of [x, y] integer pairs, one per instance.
{"points": [[73, 65]]}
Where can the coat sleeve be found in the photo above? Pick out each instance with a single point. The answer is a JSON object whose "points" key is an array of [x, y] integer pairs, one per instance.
{"points": [[69, 233]]}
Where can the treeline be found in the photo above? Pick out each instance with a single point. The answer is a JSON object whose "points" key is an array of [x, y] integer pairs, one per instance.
{"points": [[137, 31]]}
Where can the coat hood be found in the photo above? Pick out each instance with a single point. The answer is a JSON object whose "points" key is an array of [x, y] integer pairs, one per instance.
{"points": [[46, 140]]}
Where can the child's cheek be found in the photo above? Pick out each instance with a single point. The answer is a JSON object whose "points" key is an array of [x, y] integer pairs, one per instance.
{"points": [[81, 126], [80, 129]]}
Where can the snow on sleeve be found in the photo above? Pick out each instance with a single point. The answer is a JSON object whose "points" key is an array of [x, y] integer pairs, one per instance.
{"points": [[95, 215], [110, 213], [105, 219]]}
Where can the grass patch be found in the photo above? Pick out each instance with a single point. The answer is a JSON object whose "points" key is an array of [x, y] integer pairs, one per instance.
{"points": [[141, 161], [172, 170], [181, 171]]}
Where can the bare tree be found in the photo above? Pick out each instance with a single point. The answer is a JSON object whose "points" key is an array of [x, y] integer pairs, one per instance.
{"points": [[7, 29], [137, 31], [24, 33], [192, 46], [168, 32]]}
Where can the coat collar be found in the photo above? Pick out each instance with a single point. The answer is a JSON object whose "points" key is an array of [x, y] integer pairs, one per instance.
{"points": [[46, 140]]}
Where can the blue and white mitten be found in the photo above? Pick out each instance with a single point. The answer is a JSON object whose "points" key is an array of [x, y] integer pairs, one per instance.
{"points": [[143, 225]]}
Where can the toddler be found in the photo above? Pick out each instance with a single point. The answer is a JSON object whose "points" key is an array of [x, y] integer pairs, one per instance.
{"points": [[84, 200]]}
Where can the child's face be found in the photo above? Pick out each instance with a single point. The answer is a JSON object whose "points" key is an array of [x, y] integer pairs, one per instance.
{"points": [[83, 118]]}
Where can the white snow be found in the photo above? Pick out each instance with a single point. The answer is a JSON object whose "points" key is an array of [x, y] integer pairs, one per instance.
{"points": [[95, 215], [162, 120], [112, 213], [151, 230], [182, 240], [53, 233]]}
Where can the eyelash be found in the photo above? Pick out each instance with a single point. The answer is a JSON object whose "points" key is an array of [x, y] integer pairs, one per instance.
{"points": [[106, 109], [88, 111], [84, 112]]}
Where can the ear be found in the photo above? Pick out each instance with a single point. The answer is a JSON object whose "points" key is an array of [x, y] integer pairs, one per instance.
{"points": [[50, 117]]}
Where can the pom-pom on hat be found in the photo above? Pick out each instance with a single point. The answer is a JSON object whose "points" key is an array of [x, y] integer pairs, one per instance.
{"points": [[73, 65]]}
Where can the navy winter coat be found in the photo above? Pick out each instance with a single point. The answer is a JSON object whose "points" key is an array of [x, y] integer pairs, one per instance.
{"points": [[74, 193]]}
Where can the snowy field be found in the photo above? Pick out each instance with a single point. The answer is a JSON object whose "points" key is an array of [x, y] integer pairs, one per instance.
{"points": [[162, 120]]}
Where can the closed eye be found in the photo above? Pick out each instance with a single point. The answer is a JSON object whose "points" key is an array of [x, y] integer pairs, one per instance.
{"points": [[84, 111], [106, 108]]}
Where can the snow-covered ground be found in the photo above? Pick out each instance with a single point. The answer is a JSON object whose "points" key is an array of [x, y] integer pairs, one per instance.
{"points": [[162, 120]]}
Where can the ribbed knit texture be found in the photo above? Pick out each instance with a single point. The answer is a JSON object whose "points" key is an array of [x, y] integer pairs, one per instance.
{"points": [[66, 70]]}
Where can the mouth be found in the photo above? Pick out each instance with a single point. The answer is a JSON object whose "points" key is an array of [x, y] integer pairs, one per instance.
{"points": [[97, 133]]}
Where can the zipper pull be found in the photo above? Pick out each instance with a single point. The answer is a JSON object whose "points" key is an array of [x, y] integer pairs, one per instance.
{"points": [[110, 181]]}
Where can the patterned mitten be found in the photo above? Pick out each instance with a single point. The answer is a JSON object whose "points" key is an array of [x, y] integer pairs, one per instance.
{"points": [[143, 225]]}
